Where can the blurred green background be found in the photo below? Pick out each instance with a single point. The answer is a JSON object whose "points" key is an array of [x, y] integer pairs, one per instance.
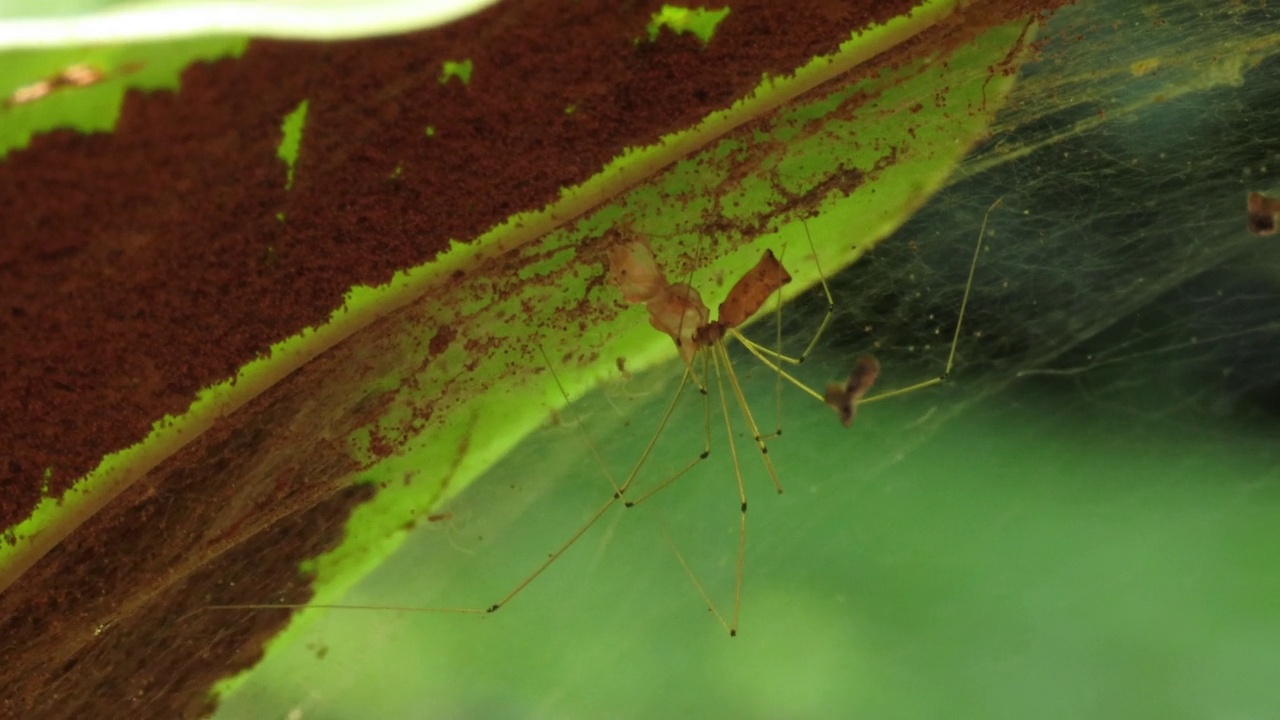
{"points": [[1081, 524]]}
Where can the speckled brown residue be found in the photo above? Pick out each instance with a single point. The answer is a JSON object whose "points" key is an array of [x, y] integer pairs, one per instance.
{"points": [[442, 339]]}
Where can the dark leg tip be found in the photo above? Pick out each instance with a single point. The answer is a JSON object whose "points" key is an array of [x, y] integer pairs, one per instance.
{"points": [[628, 504], [493, 608], [733, 632]]}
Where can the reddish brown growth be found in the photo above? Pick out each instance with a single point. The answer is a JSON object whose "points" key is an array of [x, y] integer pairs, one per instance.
{"points": [[844, 398], [1263, 213]]}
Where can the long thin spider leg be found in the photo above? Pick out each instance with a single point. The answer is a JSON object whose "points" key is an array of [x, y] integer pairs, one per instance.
{"points": [[761, 355], [666, 416], [693, 577], [777, 344], [782, 357], [604, 508], [706, 452], [968, 288], [955, 336], [460, 611], [384, 608], [831, 303], [719, 358], [722, 359], [554, 555], [595, 452], [723, 354]]}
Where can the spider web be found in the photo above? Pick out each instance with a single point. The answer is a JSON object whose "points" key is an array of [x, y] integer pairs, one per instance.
{"points": [[1079, 524]]}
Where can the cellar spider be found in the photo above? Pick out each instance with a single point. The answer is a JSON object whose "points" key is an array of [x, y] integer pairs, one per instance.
{"points": [[677, 310]]}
